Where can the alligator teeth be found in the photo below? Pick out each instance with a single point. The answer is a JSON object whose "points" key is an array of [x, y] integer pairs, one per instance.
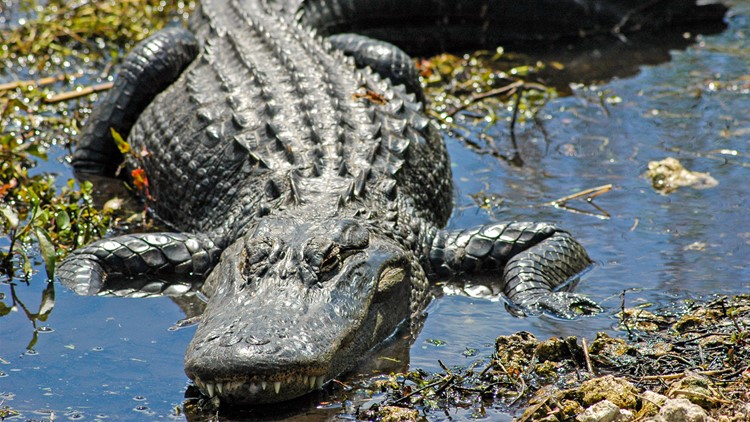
{"points": [[201, 387], [216, 389], [253, 388]]}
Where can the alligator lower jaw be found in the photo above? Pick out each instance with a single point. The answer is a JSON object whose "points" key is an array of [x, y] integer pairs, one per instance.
{"points": [[257, 390]]}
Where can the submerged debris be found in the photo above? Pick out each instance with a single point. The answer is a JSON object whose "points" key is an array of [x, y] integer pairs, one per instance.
{"points": [[668, 175]]}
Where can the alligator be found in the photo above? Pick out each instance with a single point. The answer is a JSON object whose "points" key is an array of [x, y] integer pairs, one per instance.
{"points": [[286, 146]]}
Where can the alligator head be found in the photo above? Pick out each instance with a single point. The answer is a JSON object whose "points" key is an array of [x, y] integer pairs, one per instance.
{"points": [[293, 305]]}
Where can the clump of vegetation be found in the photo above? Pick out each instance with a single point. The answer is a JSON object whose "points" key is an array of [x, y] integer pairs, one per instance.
{"points": [[49, 47], [475, 92], [481, 83], [46, 33]]}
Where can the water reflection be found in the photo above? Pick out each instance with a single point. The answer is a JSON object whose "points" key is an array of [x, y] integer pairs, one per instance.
{"points": [[598, 60], [44, 309]]}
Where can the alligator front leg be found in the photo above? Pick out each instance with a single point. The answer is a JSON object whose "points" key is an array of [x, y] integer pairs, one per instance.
{"points": [[384, 58], [535, 260], [151, 67], [151, 263]]}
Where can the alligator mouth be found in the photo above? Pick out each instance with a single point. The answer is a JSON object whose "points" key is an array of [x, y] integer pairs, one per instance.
{"points": [[258, 390]]}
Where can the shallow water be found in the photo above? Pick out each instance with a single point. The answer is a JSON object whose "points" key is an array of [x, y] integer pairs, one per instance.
{"points": [[118, 358]]}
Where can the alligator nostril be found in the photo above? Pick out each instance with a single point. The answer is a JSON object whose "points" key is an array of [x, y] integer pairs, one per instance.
{"points": [[308, 275], [255, 341], [229, 339]]}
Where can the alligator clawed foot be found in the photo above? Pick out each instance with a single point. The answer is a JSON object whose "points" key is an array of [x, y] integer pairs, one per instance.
{"points": [[568, 305], [563, 305]]}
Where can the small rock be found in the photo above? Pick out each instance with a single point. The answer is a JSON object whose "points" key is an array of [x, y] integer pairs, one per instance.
{"points": [[654, 350], [641, 319], [688, 322], [397, 414], [603, 411], [681, 410], [651, 403], [617, 390], [603, 344], [668, 175], [113, 205], [516, 350], [714, 341], [556, 350], [696, 388]]}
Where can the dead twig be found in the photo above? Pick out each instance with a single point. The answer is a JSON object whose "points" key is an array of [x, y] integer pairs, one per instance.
{"points": [[624, 315], [39, 82], [70, 95], [531, 410], [519, 393], [701, 395], [507, 373], [699, 337], [488, 367], [516, 159], [507, 90], [670, 377], [428, 386], [588, 195], [586, 356], [445, 386]]}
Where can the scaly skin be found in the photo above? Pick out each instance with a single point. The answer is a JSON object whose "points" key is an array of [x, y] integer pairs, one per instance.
{"points": [[309, 190]]}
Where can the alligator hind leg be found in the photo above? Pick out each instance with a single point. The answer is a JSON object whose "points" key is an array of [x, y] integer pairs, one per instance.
{"points": [[535, 258], [150, 263], [151, 67], [384, 58]]}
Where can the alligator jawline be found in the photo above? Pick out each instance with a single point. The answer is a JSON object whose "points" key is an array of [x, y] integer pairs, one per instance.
{"points": [[255, 387]]}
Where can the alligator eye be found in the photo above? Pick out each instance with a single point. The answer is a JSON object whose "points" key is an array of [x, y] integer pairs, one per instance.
{"points": [[332, 260], [326, 256]]}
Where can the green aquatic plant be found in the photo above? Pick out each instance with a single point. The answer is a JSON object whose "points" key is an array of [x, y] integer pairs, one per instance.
{"points": [[46, 31], [57, 46], [474, 94]]}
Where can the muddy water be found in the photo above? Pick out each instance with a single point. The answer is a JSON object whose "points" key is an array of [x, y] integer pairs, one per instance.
{"points": [[118, 358]]}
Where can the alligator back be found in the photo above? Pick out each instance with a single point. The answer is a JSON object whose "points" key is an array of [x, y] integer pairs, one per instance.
{"points": [[271, 118]]}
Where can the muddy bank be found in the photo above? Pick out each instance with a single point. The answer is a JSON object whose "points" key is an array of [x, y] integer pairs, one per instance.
{"points": [[671, 365]]}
